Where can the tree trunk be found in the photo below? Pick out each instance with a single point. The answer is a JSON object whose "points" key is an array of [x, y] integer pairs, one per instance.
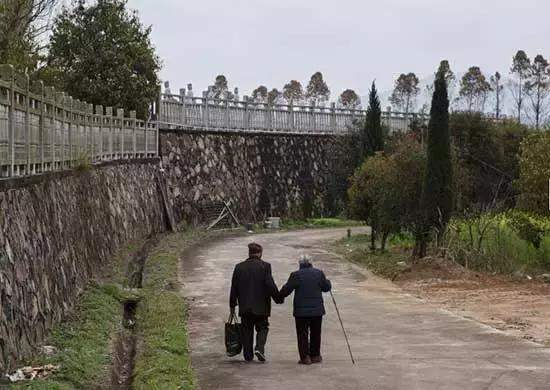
{"points": [[373, 240], [383, 243]]}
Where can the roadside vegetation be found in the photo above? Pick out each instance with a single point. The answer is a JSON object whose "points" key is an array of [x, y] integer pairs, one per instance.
{"points": [[83, 342], [163, 360], [465, 188]]}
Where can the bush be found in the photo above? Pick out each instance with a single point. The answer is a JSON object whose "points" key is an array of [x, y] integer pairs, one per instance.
{"points": [[534, 173], [491, 243]]}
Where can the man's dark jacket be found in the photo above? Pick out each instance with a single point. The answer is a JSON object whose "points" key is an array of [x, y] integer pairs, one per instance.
{"points": [[252, 288], [308, 284]]}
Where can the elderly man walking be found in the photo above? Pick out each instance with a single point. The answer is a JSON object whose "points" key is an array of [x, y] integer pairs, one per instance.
{"points": [[252, 288], [308, 284]]}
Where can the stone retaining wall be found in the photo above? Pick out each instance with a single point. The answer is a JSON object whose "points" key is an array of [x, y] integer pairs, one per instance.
{"points": [[57, 231], [281, 175]]}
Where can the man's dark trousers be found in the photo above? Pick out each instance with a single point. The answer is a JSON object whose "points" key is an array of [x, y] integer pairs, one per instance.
{"points": [[308, 330], [249, 322]]}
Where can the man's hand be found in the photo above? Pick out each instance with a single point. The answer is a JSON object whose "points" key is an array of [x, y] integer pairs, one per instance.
{"points": [[232, 310], [279, 300]]}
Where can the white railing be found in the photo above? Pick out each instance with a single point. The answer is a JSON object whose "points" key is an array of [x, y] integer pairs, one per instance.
{"points": [[179, 111], [43, 130]]}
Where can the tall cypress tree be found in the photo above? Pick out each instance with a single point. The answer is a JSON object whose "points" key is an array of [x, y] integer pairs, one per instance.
{"points": [[437, 196], [372, 139]]}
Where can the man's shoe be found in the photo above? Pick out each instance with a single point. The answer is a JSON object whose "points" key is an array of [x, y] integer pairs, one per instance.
{"points": [[306, 361], [260, 355], [317, 359]]}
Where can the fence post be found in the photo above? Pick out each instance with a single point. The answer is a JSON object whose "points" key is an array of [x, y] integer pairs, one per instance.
{"points": [[313, 118], [333, 117], [120, 116], [133, 122]]}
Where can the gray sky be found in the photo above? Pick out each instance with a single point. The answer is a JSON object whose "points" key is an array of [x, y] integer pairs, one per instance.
{"points": [[351, 42]]}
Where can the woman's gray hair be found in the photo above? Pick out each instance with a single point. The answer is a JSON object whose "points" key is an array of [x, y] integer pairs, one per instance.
{"points": [[305, 261]]}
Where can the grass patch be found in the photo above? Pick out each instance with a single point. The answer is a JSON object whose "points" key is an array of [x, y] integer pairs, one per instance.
{"points": [[83, 339], [83, 343], [163, 356], [312, 223], [386, 264]]}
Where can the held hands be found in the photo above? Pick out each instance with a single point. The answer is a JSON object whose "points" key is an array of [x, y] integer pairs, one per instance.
{"points": [[279, 300], [232, 311]]}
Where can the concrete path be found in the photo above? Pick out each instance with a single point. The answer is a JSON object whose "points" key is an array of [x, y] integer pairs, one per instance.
{"points": [[399, 342]]}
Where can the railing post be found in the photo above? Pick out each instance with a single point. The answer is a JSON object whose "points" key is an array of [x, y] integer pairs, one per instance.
{"points": [[246, 115], [109, 118], [205, 113], [291, 115], [11, 122], [134, 124], [50, 92], [313, 118], [183, 108], [227, 114], [120, 116], [69, 108], [27, 124], [40, 86], [98, 119], [333, 117]]}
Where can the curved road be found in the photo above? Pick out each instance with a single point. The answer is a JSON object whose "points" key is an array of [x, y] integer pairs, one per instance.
{"points": [[399, 342]]}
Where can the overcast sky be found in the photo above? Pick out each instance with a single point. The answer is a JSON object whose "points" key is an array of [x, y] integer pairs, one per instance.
{"points": [[351, 42]]}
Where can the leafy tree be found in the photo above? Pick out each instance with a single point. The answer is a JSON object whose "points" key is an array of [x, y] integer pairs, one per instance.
{"points": [[372, 139], [349, 99], [405, 91], [474, 88], [259, 95], [534, 173], [274, 96], [293, 92], [520, 71], [101, 53], [538, 88], [22, 24], [386, 189], [317, 89], [437, 197], [497, 88]]}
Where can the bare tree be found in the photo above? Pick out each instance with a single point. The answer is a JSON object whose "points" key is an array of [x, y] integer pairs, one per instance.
{"points": [[498, 88], [405, 92], [474, 88], [520, 71], [538, 88]]}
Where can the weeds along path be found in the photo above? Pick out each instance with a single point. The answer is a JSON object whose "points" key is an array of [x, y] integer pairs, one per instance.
{"points": [[399, 342]]}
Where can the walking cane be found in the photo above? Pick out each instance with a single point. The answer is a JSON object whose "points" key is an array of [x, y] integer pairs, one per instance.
{"points": [[343, 330]]}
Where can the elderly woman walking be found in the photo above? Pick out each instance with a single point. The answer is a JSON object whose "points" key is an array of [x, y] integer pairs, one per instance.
{"points": [[308, 284]]}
